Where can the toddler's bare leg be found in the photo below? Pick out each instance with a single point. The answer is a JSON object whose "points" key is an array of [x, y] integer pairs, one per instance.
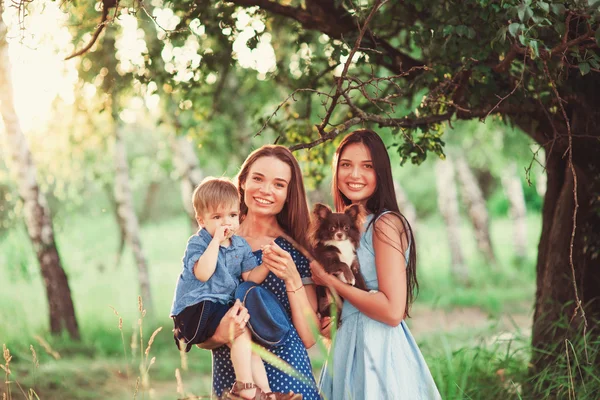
{"points": [[259, 373], [241, 358]]}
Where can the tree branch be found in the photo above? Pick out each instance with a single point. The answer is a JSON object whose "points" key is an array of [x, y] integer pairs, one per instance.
{"points": [[106, 5], [340, 80], [329, 135]]}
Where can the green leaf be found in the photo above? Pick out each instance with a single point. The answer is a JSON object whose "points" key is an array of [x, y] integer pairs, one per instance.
{"points": [[521, 12], [593, 3], [558, 8], [523, 39], [448, 29], [501, 34], [534, 46], [513, 29], [598, 36], [584, 68], [544, 6], [462, 30], [528, 13]]}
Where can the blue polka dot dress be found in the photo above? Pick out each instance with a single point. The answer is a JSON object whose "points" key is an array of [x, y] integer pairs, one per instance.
{"points": [[292, 351]]}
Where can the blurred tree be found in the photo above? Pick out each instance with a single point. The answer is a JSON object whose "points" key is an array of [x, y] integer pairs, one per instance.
{"points": [[476, 209], [406, 206], [517, 211], [122, 186], [445, 174], [188, 171], [111, 68], [35, 208]]}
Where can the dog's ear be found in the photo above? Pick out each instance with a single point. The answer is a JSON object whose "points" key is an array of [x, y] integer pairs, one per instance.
{"points": [[353, 211], [321, 210], [356, 212]]}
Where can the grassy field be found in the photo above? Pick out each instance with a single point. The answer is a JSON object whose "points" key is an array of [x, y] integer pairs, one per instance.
{"points": [[105, 364]]}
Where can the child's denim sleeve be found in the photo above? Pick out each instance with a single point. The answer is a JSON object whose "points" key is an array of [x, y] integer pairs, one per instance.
{"points": [[196, 246], [249, 260]]}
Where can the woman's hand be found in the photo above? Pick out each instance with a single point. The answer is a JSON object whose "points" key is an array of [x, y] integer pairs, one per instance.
{"points": [[280, 262], [233, 323], [319, 275]]}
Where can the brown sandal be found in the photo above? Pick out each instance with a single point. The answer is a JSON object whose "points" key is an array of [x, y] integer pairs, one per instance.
{"points": [[283, 396], [238, 386]]}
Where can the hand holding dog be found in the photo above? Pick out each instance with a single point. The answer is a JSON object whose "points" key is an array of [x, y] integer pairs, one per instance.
{"points": [[280, 262], [319, 275]]}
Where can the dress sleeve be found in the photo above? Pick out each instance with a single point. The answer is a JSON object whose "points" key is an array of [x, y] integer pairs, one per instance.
{"points": [[196, 246], [303, 266]]}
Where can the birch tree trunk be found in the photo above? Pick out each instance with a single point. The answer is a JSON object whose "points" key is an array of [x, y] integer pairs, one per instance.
{"points": [[406, 207], [517, 211], [448, 206], [189, 172], [126, 210], [35, 208], [477, 209]]}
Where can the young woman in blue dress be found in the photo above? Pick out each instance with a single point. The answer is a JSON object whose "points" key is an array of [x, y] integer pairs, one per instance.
{"points": [[273, 205], [374, 353]]}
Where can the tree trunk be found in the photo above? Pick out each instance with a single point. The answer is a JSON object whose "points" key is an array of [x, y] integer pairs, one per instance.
{"points": [[448, 205], [120, 223], [189, 172], [35, 208], [126, 211], [477, 210], [149, 201], [518, 212], [406, 207], [554, 319]]}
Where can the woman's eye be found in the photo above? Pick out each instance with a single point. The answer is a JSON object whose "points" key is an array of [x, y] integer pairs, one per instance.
{"points": [[368, 166], [344, 165], [256, 178]]}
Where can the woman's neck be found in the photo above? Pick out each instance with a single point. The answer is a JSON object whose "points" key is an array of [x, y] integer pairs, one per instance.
{"points": [[260, 226]]}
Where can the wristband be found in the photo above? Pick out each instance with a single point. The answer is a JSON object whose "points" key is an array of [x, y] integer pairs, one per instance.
{"points": [[294, 291]]}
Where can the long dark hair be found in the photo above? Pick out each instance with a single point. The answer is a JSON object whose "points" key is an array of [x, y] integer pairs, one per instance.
{"points": [[383, 199], [294, 217]]}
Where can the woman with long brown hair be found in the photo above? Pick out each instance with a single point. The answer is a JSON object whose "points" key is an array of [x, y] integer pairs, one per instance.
{"points": [[374, 354], [273, 206]]}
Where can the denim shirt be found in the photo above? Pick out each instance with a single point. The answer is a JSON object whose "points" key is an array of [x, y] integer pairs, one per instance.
{"points": [[220, 287]]}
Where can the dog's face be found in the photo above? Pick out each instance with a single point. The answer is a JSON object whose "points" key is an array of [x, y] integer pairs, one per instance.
{"points": [[330, 226]]}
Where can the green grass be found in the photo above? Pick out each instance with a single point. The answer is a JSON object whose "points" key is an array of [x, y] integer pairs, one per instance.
{"points": [[510, 284], [97, 366]]}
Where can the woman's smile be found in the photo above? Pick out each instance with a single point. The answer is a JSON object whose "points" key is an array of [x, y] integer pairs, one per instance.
{"points": [[261, 200]]}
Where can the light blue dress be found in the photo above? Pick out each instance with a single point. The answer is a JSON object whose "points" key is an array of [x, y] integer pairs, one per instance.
{"points": [[372, 360]]}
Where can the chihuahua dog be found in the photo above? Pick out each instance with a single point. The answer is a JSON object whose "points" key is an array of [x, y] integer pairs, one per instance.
{"points": [[335, 237]]}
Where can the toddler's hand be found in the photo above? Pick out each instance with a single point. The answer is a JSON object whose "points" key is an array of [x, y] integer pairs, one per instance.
{"points": [[221, 233]]}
